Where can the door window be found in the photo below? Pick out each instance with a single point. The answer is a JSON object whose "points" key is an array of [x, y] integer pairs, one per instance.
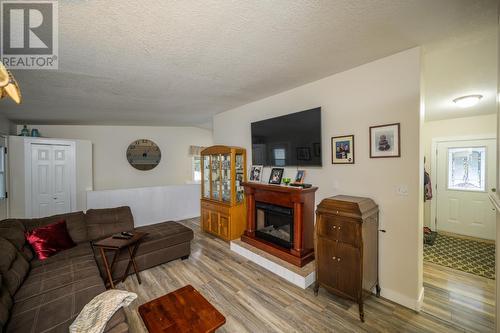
{"points": [[466, 169]]}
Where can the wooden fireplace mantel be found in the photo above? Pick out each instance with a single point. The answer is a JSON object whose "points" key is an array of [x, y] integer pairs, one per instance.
{"points": [[302, 202]]}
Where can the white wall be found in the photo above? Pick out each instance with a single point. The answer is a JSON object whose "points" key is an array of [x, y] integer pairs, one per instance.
{"points": [[450, 128], [111, 168], [17, 181], [151, 205], [381, 92], [496, 195], [5, 125]]}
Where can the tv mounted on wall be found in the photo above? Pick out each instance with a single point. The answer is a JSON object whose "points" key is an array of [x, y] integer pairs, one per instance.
{"points": [[290, 140]]}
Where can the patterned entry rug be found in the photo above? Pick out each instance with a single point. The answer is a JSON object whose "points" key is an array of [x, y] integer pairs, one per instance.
{"points": [[463, 254]]}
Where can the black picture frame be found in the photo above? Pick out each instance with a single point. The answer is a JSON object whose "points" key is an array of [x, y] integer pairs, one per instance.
{"points": [[276, 175]]}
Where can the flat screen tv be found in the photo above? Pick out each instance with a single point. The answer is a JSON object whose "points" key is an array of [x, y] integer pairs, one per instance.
{"points": [[290, 140]]}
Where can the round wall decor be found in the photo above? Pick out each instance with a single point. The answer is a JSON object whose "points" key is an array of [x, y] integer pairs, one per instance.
{"points": [[143, 154]]}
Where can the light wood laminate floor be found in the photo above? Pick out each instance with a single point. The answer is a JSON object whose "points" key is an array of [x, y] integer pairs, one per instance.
{"points": [[255, 300], [462, 298]]}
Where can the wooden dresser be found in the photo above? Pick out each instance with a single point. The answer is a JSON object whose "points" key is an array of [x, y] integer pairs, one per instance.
{"points": [[346, 247]]}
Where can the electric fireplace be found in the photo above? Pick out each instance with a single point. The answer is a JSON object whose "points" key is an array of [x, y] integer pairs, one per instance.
{"points": [[274, 224], [280, 221]]}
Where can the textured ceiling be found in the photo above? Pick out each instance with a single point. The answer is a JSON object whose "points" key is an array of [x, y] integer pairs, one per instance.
{"points": [[457, 67], [161, 62]]}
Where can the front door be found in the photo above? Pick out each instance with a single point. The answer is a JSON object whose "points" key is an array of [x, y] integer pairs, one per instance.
{"points": [[50, 180], [465, 173]]}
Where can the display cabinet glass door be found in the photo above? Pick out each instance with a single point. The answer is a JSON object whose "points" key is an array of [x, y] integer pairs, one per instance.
{"points": [[239, 172], [226, 177], [206, 176], [216, 179]]}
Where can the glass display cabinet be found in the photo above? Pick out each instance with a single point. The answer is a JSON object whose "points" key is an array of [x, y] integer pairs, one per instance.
{"points": [[222, 195]]}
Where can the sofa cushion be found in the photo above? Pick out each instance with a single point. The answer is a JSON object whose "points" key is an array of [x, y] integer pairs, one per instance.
{"points": [[49, 240], [63, 304], [5, 305], [80, 250], [75, 222], [105, 222], [13, 266], [58, 273], [13, 230], [162, 235], [164, 242]]}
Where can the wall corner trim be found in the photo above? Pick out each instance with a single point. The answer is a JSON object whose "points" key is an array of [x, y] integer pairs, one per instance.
{"points": [[408, 302]]}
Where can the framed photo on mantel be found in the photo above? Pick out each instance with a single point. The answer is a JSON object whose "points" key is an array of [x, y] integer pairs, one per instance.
{"points": [[343, 149], [276, 175], [385, 141], [256, 173]]}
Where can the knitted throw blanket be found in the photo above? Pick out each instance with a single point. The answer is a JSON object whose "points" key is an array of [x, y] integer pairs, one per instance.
{"points": [[96, 314]]}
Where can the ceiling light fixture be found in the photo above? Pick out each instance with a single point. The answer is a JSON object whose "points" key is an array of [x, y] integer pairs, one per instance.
{"points": [[8, 85], [467, 101]]}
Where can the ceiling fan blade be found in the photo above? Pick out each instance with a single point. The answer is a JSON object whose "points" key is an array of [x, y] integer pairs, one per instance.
{"points": [[13, 90], [4, 75]]}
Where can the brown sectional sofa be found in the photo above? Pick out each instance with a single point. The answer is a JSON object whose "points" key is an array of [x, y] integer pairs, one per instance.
{"points": [[47, 295]]}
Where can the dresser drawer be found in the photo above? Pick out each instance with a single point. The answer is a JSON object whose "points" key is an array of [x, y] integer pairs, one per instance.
{"points": [[215, 207], [340, 229]]}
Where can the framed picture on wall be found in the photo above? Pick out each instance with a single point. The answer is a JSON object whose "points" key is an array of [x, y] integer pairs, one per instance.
{"points": [[343, 149], [385, 141]]}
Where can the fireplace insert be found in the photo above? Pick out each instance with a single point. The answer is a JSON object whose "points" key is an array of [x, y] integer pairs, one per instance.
{"points": [[274, 224]]}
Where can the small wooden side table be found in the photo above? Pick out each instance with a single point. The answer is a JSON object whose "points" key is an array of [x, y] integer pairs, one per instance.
{"points": [[116, 244], [181, 311]]}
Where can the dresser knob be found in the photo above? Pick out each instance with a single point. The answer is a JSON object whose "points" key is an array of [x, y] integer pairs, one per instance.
{"points": [[339, 227], [334, 258], [334, 227], [338, 259]]}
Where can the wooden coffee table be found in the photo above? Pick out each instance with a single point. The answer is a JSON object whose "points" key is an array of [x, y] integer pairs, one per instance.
{"points": [[116, 245], [181, 311]]}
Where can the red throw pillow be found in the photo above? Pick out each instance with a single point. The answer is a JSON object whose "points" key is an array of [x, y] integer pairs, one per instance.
{"points": [[50, 239]]}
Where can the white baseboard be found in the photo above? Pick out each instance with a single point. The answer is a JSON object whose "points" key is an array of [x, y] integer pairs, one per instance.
{"points": [[292, 277], [414, 304]]}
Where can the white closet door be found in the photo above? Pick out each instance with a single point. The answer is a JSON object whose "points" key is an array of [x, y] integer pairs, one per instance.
{"points": [[50, 180], [61, 180]]}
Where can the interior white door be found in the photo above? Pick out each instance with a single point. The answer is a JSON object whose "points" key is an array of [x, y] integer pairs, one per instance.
{"points": [[50, 180], [465, 174]]}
